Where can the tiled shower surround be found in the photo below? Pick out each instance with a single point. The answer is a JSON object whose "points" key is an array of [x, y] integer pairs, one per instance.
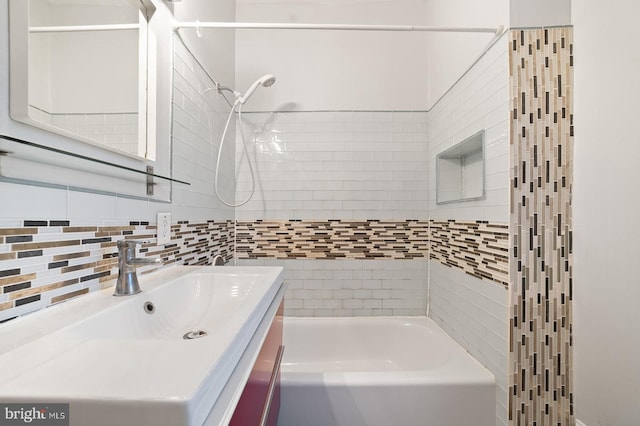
{"points": [[541, 75], [321, 172], [46, 262], [335, 189]]}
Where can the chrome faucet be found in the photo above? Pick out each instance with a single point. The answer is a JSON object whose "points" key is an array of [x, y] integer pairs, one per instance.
{"points": [[127, 282]]}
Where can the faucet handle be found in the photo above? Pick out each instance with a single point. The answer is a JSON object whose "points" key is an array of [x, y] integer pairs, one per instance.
{"points": [[127, 249], [127, 252]]}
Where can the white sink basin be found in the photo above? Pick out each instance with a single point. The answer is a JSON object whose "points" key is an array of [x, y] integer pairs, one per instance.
{"points": [[115, 363], [192, 302]]}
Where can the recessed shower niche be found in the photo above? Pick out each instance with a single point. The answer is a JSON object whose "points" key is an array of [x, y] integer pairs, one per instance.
{"points": [[460, 171]]}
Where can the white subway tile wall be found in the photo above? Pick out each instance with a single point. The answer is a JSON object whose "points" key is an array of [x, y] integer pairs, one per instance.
{"points": [[199, 115], [475, 313], [335, 165], [352, 287], [479, 100]]}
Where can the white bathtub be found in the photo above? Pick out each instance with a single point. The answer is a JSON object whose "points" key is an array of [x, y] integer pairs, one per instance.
{"points": [[392, 371]]}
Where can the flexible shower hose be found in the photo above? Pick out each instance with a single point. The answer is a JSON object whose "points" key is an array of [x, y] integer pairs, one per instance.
{"points": [[244, 144]]}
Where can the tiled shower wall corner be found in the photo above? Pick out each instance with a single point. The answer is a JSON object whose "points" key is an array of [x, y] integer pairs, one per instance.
{"points": [[541, 79], [46, 262], [474, 313], [468, 270]]}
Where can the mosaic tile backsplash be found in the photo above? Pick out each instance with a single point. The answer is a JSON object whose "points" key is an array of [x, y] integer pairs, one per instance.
{"points": [[541, 81], [47, 262]]}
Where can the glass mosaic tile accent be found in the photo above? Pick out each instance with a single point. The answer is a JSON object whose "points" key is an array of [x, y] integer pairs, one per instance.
{"points": [[46, 262], [478, 248], [332, 239], [541, 82]]}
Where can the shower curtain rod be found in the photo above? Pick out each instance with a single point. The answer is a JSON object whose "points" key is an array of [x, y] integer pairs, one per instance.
{"points": [[74, 28], [271, 26]]}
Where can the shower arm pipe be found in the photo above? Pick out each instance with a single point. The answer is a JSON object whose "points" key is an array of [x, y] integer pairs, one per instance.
{"points": [[77, 28], [284, 26]]}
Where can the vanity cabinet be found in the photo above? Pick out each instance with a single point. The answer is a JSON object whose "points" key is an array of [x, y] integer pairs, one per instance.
{"points": [[259, 403]]}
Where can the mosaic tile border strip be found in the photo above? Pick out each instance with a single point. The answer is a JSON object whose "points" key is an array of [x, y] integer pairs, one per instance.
{"points": [[541, 80], [480, 248], [46, 262], [332, 239]]}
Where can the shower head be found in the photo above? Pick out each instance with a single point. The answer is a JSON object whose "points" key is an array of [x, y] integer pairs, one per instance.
{"points": [[266, 80]]}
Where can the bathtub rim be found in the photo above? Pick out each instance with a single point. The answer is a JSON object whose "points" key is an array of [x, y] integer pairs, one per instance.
{"points": [[462, 367]]}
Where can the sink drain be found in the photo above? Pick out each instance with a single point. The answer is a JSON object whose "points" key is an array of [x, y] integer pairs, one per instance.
{"points": [[194, 335], [149, 307]]}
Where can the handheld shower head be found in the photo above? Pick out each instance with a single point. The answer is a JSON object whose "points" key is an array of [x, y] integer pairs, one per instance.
{"points": [[266, 80]]}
